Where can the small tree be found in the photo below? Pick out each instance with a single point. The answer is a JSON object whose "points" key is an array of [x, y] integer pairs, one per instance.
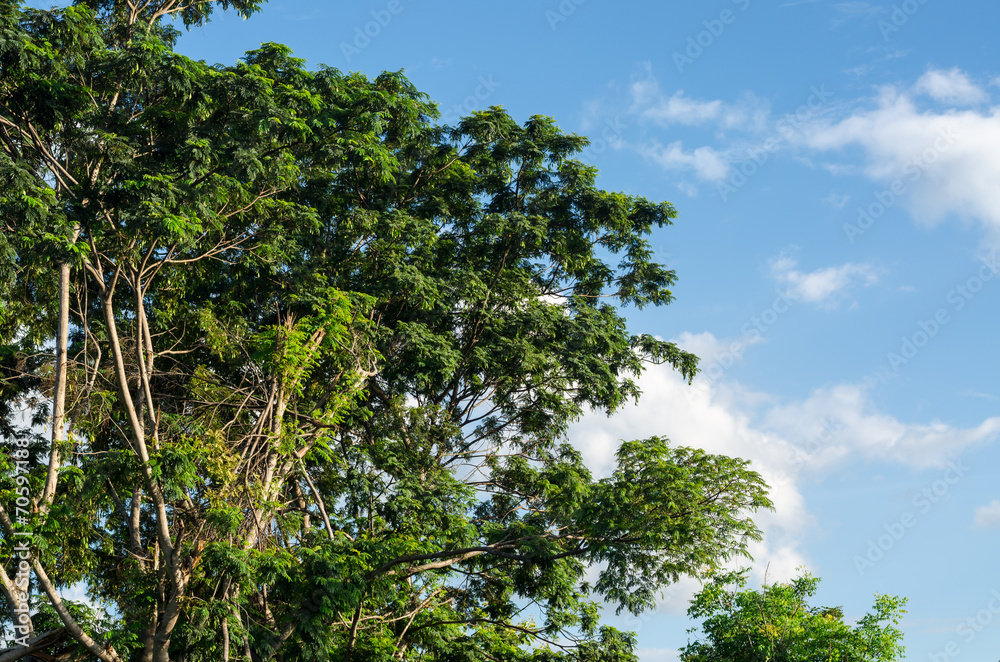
{"points": [[776, 624]]}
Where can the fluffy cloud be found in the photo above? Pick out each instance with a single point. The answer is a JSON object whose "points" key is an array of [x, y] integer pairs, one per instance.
{"points": [[707, 163], [788, 442], [988, 516], [953, 87], [822, 285], [935, 144], [708, 417], [938, 162]]}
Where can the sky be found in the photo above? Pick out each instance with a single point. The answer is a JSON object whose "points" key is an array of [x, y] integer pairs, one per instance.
{"points": [[836, 166]]}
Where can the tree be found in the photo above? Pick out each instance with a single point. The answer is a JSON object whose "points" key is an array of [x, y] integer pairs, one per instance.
{"points": [[777, 624], [295, 365]]}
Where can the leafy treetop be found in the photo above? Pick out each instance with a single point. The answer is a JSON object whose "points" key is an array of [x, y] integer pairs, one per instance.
{"points": [[776, 624], [296, 365]]}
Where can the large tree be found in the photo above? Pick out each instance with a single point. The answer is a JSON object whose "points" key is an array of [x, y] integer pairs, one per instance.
{"points": [[289, 368]]}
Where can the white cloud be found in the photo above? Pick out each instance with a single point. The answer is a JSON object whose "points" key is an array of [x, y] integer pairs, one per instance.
{"points": [[940, 163], [859, 429], [748, 113], [936, 162], [952, 86], [988, 516], [706, 163], [706, 416], [688, 189], [677, 109], [709, 348], [977, 394], [836, 200], [788, 442], [822, 285]]}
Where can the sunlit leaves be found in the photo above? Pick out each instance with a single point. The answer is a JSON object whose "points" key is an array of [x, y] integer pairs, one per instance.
{"points": [[777, 623], [350, 342]]}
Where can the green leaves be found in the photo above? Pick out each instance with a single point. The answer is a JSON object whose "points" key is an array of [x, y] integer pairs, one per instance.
{"points": [[777, 623], [669, 512], [326, 355]]}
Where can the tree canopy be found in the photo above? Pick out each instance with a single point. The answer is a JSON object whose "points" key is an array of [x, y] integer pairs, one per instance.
{"points": [[776, 624], [288, 368]]}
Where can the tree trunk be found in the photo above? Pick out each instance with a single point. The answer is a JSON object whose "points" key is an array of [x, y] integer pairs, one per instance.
{"points": [[59, 390]]}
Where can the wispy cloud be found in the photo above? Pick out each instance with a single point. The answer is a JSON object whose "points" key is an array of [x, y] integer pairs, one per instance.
{"points": [[844, 11], [679, 109], [937, 136], [952, 87], [822, 285], [856, 9], [988, 516], [705, 162], [836, 200], [650, 103]]}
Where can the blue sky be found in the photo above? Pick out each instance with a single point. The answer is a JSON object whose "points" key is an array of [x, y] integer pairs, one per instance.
{"points": [[836, 166]]}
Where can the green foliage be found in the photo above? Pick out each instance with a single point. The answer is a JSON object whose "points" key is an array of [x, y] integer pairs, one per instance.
{"points": [[325, 354], [777, 624]]}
